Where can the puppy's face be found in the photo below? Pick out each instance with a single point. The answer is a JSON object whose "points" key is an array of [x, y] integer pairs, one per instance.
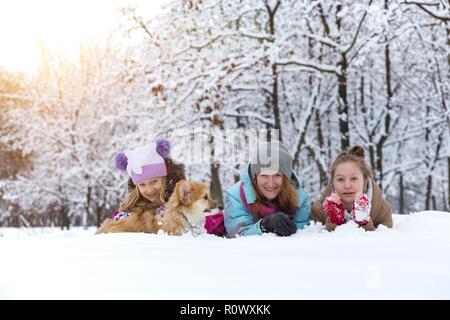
{"points": [[194, 197]]}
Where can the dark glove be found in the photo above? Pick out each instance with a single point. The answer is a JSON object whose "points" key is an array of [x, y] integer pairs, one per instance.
{"points": [[278, 223]]}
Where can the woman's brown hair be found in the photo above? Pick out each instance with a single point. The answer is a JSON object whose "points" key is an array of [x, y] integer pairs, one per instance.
{"points": [[287, 199]]}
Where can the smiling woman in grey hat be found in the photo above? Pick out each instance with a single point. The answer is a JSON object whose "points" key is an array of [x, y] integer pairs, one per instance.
{"points": [[268, 198]]}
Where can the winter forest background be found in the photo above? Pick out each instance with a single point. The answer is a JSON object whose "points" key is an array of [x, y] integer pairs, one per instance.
{"points": [[327, 74]]}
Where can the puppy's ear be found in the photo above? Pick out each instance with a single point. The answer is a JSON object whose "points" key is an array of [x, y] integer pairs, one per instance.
{"points": [[185, 192]]}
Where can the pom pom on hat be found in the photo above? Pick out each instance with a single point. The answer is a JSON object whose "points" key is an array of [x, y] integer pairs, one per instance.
{"points": [[121, 161], [163, 147]]}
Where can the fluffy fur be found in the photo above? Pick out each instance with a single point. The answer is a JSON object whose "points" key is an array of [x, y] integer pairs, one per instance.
{"points": [[143, 219], [187, 208]]}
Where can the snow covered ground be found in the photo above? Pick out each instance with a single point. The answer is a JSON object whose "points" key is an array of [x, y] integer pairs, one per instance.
{"points": [[411, 261]]}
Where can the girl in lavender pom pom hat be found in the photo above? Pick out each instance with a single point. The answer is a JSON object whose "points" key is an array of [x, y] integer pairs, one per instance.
{"points": [[152, 179]]}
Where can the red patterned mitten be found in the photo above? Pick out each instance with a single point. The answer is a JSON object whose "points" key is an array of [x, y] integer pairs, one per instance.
{"points": [[334, 211], [361, 210]]}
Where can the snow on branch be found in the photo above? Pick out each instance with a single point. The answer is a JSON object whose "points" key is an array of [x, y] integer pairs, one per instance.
{"points": [[146, 29], [403, 167], [327, 41], [252, 88], [416, 133], [309, 64], [443, 15], [251, 115], [350, 46], [187, 95], [257, 36], [305, 120], [361, 135], [199, 46]]}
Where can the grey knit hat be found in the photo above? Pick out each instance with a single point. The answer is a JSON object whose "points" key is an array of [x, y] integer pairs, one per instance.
{"points": [[271, 156]]}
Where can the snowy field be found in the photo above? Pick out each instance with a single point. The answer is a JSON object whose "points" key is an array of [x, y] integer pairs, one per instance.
{"points": [[411, 261]]}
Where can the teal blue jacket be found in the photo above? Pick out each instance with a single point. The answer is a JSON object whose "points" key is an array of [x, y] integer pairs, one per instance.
{"points": [[239, 221]]}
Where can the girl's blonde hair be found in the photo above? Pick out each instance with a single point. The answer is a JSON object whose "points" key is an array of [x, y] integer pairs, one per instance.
{"points": [[134, 196], [355, 154], [287, 199]]}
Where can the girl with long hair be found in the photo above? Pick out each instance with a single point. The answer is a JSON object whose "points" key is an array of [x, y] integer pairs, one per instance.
{"points": [[352, 194], [152, 178]]}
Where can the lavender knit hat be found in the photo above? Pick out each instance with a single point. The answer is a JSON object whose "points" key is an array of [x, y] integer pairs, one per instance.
{"points": [[145, 162]]}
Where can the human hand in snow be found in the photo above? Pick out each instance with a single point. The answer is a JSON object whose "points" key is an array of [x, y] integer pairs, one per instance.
{"points": [[361, 209], [334, 208], [278, 223]]}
